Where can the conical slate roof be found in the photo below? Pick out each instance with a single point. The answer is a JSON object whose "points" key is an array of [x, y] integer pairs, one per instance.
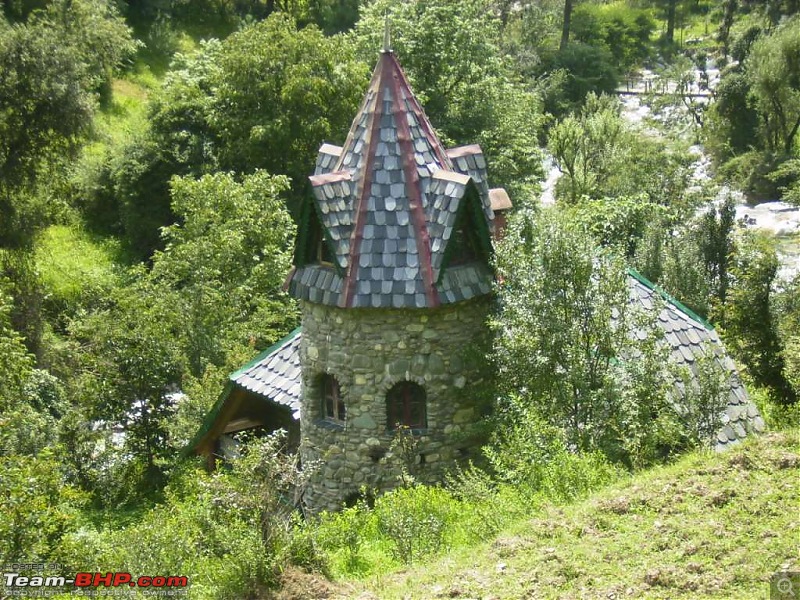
{"points": [[388, 203]]}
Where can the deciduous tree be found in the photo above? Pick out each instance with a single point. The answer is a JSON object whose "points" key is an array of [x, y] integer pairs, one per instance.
{"points": [[774, 71], [564, 309], [225, 261]]}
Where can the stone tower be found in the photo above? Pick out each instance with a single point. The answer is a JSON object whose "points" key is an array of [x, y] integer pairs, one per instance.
{"points": [[393, 278]]}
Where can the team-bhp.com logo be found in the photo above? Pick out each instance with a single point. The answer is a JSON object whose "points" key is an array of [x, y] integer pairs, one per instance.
{"points": [[93, 580]]}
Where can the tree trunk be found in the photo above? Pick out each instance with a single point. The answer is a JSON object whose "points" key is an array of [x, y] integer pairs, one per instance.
{"points": [[565, 27], [671, 6], [788, 143], [729, 13]]}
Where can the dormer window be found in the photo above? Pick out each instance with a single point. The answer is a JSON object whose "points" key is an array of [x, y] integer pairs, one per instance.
{"points": [[318, 249], [333, 408], [464, 250]]}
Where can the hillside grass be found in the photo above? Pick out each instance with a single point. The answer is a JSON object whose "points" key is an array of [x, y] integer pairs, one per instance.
{"points": [[708, 526], [72, 262]]}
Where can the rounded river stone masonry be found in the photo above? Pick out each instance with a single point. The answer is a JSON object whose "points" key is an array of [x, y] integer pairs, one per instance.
{"points": [[369, 351]]}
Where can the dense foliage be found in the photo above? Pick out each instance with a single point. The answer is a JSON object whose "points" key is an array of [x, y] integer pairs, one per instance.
{"points": [[209, 115], [755, 124]]}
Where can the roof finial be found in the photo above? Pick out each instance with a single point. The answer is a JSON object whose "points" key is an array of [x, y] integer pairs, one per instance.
{"points": [[387, 42]]}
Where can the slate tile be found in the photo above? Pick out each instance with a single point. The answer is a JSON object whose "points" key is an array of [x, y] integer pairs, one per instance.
{"points": [[672, 339]]}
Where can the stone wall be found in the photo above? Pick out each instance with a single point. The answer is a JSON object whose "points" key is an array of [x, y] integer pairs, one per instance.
{"points": [[369, 351]]}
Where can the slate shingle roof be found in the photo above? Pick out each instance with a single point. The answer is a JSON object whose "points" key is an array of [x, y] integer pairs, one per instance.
{"points": [[275, 374], [689, 339], [388, 201]]}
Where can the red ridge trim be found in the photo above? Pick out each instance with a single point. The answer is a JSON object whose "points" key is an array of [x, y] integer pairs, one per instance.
{"points": [[366, 186], [422, 118], [413, 186]]}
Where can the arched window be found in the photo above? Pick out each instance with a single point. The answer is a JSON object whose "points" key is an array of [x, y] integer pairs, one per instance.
{"points": [[332, 404], [405, 406]]}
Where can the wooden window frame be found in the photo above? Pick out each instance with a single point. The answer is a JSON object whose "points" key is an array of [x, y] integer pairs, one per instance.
{"points": [[400, 402], [333, 406]]}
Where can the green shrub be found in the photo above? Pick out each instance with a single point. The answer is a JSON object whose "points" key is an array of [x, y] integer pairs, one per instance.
{"points": [[415, 520], [775, 414], [529, 453], [228, 533], [303, 548], [36, 507], [344, 535], [751, 172], [486, 508]]}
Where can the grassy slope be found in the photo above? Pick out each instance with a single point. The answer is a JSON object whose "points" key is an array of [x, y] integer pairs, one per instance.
{"points": [[69, 259], [708, 526]]}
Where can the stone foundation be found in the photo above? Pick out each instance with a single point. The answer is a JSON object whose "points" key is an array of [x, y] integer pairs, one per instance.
{"points": [[369, 351]]}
